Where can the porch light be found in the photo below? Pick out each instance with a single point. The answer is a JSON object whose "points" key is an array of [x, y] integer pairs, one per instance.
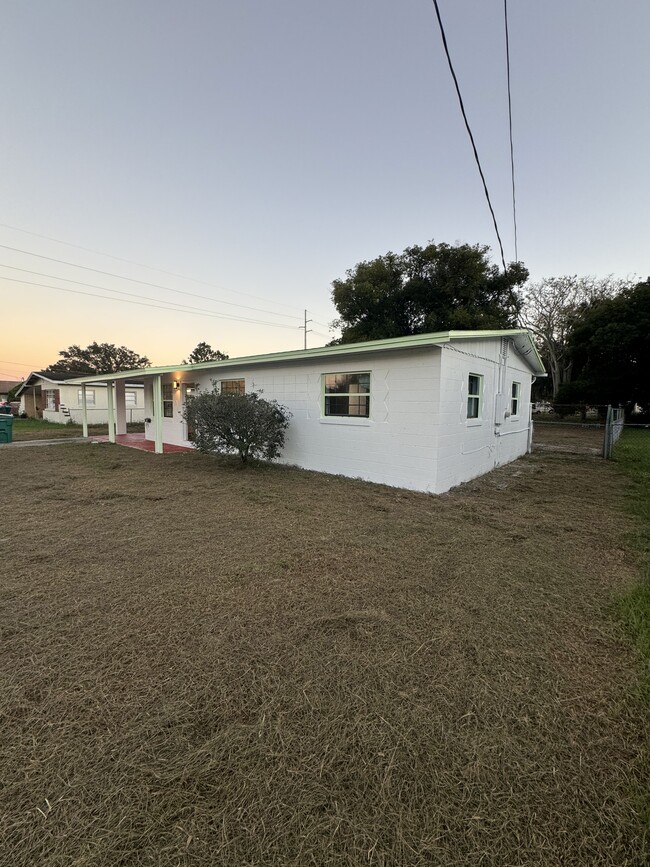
{"points": [[176, 384]]}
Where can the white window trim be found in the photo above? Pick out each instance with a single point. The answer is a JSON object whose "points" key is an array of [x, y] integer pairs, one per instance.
{"points": [[478, 420], [170, 400], [354, 420], [90, 397], [236, 379], [515, 397]]}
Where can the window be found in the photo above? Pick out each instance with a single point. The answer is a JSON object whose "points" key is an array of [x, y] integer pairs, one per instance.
{"points": [[233, 386], [168, 400], [514, 401], [474, 394], [50, 399], [191, 389], [90, 397], [347, 395], [131, 398]]}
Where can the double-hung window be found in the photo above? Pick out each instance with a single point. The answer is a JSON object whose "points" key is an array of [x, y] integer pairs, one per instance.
{"points": [[90, 397], [474, 395], [168, 400], [515, 398], [233, 386], [50, 398], [347, 395]]}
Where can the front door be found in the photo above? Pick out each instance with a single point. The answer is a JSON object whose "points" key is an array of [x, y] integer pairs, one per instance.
{"points": [[189, 391]]}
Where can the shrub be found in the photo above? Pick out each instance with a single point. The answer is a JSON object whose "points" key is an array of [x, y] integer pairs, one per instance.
{"points": [[243, 424]]}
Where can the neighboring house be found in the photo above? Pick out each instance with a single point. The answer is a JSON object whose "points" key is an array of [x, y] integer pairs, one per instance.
{"points": [[425, 412], [57, 397], [6, 385]]}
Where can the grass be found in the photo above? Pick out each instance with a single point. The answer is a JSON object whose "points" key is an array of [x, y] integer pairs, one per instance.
{"points": [[205, 665], [632, 454], [36, 429]]}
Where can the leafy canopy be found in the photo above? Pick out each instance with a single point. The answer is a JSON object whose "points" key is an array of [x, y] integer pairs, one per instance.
{"points": [[551, 310], [204, 352], [610, 349], [243, 424], [97, 358], [439, 287]]}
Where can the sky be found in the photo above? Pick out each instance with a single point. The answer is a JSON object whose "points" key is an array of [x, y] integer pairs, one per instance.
{"points": [[240, 155]]}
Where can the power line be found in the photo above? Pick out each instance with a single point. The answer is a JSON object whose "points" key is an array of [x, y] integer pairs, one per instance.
{"points": [[178, 308], [142, 265], [469, 131], [121, 292], [131, 280], [512, 152]]}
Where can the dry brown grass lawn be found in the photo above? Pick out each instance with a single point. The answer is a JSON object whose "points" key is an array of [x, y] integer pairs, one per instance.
{"points": [[204, 665]]}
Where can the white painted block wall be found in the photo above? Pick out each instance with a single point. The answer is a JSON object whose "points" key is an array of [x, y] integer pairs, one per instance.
{"points": [[418, 435]]}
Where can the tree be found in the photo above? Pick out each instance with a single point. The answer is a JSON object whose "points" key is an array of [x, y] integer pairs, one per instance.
{"points": [[97, 358], [552, 308], [204, 352], [439, 287], [610, 350], [243, 424]]}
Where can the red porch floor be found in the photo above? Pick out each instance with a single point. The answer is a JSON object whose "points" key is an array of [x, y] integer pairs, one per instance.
{"points": [[137, 441]]}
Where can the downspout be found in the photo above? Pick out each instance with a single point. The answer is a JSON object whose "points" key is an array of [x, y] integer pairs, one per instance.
{"points": [[530, 416]]}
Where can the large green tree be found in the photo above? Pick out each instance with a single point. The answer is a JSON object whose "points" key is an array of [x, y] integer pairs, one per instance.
{"points": [[551, 310], [204, 352], [97, 358], [439, 287], [610, 351]]}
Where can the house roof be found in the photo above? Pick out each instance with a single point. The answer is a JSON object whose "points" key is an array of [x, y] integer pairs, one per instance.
{"points": [[7, 384], [521, 338], [58, 379]]}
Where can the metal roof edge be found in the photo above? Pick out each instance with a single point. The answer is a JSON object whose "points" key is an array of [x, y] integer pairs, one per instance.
{"points": [[340, 349]]}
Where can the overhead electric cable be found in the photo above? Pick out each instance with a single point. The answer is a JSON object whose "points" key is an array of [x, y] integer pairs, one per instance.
{"points": [[512, 150], [178, 308], [133, 294], [469, 131], [135, 280], [142, 265]]}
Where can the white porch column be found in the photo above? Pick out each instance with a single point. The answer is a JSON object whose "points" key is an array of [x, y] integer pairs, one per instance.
{"points": [[84, 411], [111, 412], [157, 414], [120, 405]]}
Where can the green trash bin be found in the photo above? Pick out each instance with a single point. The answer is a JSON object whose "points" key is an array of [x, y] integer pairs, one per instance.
{"points": [[6, 428]]}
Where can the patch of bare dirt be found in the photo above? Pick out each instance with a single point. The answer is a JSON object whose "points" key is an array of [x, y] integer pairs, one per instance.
{"points": [[208, 665]]}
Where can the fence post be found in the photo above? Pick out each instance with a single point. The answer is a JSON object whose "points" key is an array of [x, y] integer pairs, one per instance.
{"points": [[607, 438]]}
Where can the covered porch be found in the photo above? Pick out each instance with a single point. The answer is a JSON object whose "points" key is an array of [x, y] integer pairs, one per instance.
{"points": [[157, 406]]}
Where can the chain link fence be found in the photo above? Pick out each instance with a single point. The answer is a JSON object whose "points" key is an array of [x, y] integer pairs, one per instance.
{"points": [[584, 429]]}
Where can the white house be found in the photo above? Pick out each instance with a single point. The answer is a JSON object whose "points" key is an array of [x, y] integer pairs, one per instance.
{"points": [[58, 397], [425, 412]]}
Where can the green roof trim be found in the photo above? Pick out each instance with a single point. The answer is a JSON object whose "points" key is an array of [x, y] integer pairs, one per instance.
{"points": [[521, 338]]}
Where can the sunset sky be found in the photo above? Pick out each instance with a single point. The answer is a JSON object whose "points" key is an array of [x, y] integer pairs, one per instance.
{"points": [[247, 153]]}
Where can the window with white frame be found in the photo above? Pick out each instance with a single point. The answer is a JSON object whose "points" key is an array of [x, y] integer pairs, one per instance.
{"points": [[90, 397], [233, 386], [515, 398], [50, 398], [474, 395], [168, 400], [131, 398], [346, 395]]}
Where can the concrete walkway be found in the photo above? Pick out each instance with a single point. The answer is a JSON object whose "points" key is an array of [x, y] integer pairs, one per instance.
{"points": [[59, 441]]}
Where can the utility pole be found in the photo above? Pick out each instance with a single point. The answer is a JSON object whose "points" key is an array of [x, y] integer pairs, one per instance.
{"points": [[306, 330]]}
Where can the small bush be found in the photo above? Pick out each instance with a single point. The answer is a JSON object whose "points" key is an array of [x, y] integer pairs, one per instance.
{"points": [[243, 424]]}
